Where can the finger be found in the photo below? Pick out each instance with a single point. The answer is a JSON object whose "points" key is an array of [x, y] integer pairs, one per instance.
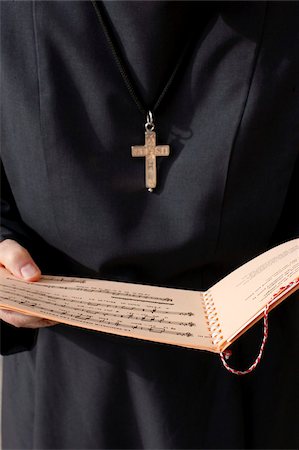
{"points": [[24, 321], [18, 261]]}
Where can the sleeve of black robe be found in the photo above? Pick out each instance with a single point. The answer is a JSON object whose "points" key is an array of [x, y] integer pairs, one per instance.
{"points": [[14, 339], [12, 227], [288, 225], [49, 259]]}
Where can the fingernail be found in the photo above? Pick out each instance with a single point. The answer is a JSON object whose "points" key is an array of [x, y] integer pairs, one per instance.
{"points": [[28, 271]]}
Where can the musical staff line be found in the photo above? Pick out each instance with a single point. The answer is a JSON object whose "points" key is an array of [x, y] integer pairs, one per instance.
{"points": [[46, 298], [65, 309], [140, 300]]}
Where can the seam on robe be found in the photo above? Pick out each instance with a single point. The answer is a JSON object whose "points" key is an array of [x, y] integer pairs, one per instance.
{"points": [[35, 37], [242, 112]]}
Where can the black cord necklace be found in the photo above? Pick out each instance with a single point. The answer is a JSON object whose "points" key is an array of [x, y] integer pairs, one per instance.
{"points": [[150, 150]]}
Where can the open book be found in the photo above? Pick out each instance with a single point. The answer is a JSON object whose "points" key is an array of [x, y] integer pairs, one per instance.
{"points": [[209, 320]]}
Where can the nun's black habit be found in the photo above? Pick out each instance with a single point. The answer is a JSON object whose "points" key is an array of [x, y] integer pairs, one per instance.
{"points": [[75, 198]]}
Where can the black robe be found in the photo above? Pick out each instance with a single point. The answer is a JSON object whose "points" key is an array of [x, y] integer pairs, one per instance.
{"points": [[75, 198]]}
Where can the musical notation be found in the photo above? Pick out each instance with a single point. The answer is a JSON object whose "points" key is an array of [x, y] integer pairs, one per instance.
{"points": [[107, 310]]}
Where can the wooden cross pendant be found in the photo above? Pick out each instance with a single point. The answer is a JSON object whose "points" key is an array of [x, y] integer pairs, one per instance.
{"points": [[150, 151]]}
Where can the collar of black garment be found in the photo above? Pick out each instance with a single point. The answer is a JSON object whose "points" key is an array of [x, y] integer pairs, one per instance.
{"points": [[151, 36]]}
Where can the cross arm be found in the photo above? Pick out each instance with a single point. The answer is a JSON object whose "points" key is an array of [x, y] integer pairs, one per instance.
{"points": [[138, 150]]}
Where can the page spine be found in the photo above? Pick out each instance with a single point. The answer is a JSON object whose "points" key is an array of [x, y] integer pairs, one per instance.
{"points": [[212, 318]]}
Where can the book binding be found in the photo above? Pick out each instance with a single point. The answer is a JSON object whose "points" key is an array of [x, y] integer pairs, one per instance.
{"points": [[212, 319]]}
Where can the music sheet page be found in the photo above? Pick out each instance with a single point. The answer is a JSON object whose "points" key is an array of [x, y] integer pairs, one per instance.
{"points": [[159, 314], [243, 294]]}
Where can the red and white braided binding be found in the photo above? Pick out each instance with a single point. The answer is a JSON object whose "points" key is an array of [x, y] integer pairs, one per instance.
{"points": [[225, 354]]}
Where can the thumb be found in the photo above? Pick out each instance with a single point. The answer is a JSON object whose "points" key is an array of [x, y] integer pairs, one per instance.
{"points": [[18, 261]]}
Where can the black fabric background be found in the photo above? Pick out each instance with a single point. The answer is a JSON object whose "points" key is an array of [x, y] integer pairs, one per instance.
{"points": [[76, 199]]}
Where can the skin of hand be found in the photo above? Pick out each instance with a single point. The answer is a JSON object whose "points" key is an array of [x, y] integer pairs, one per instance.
{"points": [[19, 263]]}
